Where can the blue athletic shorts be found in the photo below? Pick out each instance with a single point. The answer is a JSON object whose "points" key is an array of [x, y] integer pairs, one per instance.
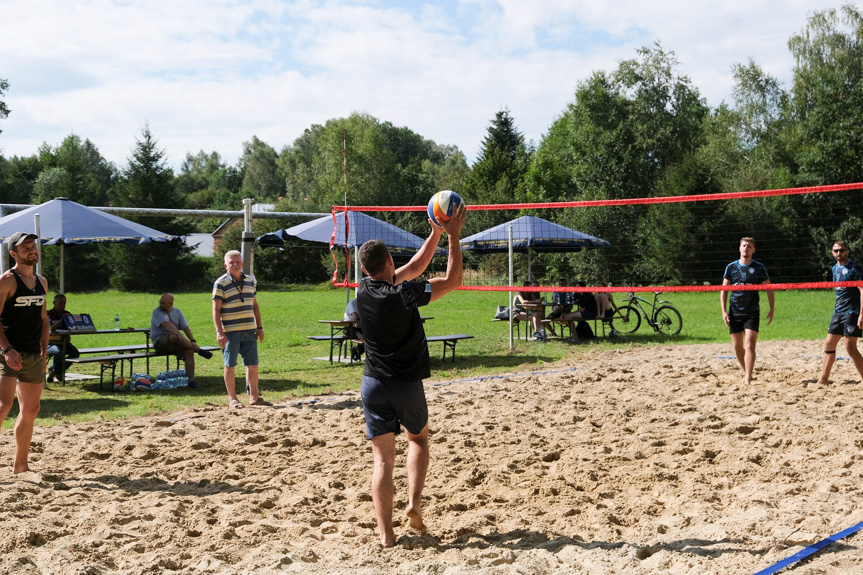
{"points": [[738, 323], [389, 404], [844, 324], [244, 343]]}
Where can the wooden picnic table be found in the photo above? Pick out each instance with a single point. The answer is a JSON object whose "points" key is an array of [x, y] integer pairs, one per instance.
{"points": [[341, 333], [107, 356]]}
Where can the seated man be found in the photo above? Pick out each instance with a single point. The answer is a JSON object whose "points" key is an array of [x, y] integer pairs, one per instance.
{"points": [[534, 315], [55, 342], [587, 309], [167, 326], [561, 304]]}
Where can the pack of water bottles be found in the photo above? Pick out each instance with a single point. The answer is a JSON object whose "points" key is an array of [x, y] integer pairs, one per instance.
{"points": [[170, 379]]}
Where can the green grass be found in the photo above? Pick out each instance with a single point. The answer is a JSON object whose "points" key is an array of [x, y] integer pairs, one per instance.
{"points": [[288, 370]]}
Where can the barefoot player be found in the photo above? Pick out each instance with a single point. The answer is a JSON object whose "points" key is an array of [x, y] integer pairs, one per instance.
{"points": [[744, 315], [397, 360], [23, 341], [847, 320]]}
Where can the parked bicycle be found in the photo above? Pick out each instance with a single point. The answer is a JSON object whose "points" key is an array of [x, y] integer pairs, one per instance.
{"points": [[663, 317]]}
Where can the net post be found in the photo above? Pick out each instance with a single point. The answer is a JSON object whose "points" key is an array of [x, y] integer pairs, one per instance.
{"points": [[511, 297]]}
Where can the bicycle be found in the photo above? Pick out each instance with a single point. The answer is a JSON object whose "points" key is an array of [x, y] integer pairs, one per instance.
{"points": [[664, 317]]}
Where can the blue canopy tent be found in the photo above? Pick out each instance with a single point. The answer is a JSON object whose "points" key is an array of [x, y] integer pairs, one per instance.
{"points": [[62, 222], [360, 229], [530, 234], [533, 234]]}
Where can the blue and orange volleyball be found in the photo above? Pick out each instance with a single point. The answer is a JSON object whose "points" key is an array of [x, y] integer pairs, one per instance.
{"points": [[443, 206]]}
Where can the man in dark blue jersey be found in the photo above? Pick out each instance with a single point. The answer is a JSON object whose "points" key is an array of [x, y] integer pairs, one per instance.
{"points": [[847, 320], [743, 316], [23, 341], [397, 360]]}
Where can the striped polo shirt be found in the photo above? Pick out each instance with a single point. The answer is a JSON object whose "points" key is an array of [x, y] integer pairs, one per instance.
{"points": [[237, 297]]}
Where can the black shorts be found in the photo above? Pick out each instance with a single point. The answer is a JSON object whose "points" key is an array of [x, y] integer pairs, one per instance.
{"points": [[844, 325], [738, 323], [387, 405]]}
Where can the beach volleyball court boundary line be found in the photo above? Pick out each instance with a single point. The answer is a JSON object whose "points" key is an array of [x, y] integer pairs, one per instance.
{"points": [[812, 549]]}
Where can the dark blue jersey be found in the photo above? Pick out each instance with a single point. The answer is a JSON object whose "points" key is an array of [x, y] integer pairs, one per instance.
{"points": [[847, 299], [745, 302]]}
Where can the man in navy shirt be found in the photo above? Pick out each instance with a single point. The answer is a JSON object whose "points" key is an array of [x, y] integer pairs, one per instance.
{"points": [[397, 360], [744, 315], [847, 320]]}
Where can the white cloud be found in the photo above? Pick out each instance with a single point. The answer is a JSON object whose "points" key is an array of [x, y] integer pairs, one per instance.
{"points": [[209, 75]]}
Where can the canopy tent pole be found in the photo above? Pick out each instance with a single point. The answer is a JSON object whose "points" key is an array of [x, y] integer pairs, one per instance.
{"points": [[38, 228], [62, 268], [529, 274], [511, 298]]}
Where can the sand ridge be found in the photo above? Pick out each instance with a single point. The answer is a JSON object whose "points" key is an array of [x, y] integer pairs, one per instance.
{"points": [[637, 460]]}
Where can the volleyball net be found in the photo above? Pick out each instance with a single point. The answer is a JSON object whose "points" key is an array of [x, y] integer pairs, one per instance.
{"points": [[673, 243]]}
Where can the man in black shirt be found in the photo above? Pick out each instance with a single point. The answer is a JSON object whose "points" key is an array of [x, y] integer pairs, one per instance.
{"points": [[397, 360], [23, 341]]}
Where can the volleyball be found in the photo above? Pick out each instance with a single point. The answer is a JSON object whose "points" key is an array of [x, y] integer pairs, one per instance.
{"points": [[443, 206], [119, 384]]}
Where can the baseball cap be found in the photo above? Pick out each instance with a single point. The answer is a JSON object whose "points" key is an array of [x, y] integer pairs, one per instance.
{"points": [[19, 238]]}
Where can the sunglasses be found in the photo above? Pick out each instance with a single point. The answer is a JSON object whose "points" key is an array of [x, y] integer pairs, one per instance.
{"points": [[840, 250]]}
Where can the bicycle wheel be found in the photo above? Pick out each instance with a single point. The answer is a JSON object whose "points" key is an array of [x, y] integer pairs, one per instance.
{"points": [[667, 320], [628, 323]]}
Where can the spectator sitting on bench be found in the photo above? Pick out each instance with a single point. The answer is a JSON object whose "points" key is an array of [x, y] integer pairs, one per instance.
{"points": [[606, 308], [167, 326], [561, 304], [587, 309], [535, 315], [55, 341]]}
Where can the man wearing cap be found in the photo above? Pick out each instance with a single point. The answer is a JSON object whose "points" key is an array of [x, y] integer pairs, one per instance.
{"points": [[23, 341]]}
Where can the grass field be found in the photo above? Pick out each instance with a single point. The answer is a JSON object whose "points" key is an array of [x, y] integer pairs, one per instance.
{"points": [[288, 369]]}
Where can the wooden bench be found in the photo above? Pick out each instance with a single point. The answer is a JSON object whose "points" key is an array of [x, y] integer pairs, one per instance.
{"points": [[517, 324], [110, 361], [338, 339], [449, 342]]}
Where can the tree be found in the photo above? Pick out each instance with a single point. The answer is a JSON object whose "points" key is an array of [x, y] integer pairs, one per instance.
{"points": [[4, 109], [622, 138], [498, 175], [75, 170], [826, 138], [258, 164], [147, 182]]}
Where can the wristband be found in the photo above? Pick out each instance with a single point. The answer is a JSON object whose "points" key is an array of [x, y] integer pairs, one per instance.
{"points": [[260, 327], [193, 339], [5, 351]]}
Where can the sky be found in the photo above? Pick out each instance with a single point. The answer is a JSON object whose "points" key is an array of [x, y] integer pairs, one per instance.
{"points": [[209, 74]]}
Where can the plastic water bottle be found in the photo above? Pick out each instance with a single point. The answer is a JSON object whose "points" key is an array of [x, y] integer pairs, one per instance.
{"points": [[117, 322]]}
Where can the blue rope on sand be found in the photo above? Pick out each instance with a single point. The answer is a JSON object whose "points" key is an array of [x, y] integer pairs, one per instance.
{"points": [[814, 548]]}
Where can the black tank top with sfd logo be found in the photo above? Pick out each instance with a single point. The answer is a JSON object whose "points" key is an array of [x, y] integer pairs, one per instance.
{"points": [[22, 316]]}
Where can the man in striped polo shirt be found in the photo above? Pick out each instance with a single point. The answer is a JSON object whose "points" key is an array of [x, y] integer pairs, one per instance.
{"points": [[238, 326]]}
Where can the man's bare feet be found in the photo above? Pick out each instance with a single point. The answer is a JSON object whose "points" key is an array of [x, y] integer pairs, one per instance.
{"points": [[16, 469], [823, 382], [415, 519]]}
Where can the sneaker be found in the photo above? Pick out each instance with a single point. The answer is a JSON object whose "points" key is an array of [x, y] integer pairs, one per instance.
{"points": [[193, 384], [50, 376], [206, 354]]}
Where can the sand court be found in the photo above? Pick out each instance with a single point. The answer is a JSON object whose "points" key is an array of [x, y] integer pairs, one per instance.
{"points": [[636, 460]]}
